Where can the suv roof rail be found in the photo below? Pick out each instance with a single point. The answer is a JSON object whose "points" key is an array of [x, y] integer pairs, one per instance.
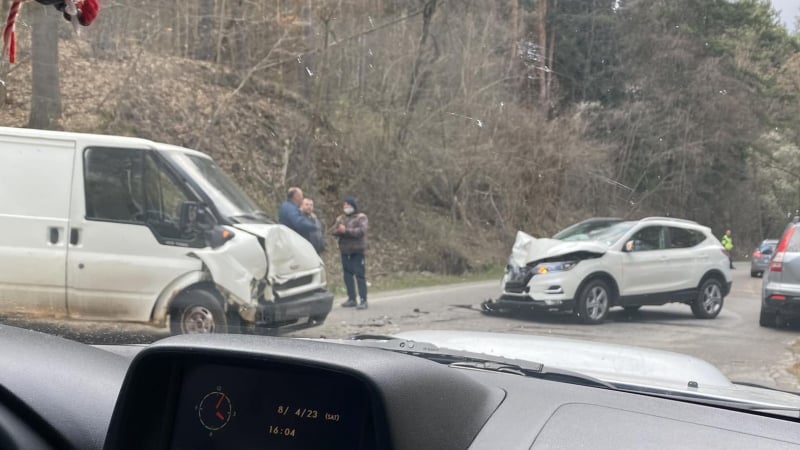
{"points": [[670, 219]]}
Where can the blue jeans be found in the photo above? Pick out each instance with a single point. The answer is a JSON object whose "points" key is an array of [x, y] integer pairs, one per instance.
{"points": [[355, 272]]}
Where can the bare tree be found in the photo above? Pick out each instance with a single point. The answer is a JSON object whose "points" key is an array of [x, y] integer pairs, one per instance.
{"points": [[46, 89]]}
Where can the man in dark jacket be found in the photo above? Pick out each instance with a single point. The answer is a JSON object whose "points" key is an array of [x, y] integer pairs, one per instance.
{"points": [[351, 231], [317, 238], [291, 215]]}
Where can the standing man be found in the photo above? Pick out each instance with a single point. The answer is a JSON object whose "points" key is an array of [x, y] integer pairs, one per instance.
{"points": [[316, 238], [351, 231], [727, 242], [291, 216]]}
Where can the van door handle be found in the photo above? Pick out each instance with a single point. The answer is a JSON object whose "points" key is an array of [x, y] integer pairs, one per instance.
{"points": [[53, 235], [74, 236]]}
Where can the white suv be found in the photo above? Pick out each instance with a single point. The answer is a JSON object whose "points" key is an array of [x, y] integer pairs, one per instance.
{"points": [[599, 263]]}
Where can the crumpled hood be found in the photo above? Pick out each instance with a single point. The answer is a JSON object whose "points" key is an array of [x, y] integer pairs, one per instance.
{"points": [[617, 364], [528, 249], [287, 252]]}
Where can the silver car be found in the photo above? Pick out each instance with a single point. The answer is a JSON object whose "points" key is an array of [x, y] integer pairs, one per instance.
{"points": [[780, 292], [759, 262]]}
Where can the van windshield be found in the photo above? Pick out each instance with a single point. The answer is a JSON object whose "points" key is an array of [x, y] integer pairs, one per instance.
{"points": [[228, 198]]}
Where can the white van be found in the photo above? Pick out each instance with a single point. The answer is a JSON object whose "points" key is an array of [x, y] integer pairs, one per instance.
{"points": [[124, 229]]}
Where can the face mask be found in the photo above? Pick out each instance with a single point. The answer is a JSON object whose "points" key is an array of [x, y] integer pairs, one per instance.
{"points": [[348, 210]]}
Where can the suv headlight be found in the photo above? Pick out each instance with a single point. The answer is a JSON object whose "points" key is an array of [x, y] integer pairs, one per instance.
{"points": [[560, 266]]}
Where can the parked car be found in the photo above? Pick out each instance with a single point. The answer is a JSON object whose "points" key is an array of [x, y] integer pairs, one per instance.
{"points": [[124, 229], [652, 261], [780, 289], [761, 257]]}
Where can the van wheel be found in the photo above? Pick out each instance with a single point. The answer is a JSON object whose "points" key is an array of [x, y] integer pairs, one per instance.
{"points": [[198, 311], [709, 301], [593, 302]]}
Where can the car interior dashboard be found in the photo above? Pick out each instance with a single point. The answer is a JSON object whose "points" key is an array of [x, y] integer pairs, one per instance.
{"points": [[257, 392]]}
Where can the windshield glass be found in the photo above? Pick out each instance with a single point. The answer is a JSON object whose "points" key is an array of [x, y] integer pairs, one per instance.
{"points": [[382, 167], [228, 198], [609, 235], [585, 230]]}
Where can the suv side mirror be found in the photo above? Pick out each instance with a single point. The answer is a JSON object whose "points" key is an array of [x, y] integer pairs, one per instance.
{"points": [[629, 246]]}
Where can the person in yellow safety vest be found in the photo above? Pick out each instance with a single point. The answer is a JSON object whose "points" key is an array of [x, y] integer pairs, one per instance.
{"points": [[727, 242]]}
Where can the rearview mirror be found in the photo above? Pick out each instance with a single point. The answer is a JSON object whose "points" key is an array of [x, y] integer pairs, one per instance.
{"points": [[629, 246]]}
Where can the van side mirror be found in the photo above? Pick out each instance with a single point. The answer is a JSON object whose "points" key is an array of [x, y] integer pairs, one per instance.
{"points": [[194, 215], [629, 246]]}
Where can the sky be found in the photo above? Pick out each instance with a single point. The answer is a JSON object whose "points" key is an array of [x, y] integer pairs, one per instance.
{"points": [[789, 9]]}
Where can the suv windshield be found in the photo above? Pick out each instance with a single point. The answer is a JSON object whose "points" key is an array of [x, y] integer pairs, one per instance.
{"points": [[585, 230], [606, 233], [228, 198]]}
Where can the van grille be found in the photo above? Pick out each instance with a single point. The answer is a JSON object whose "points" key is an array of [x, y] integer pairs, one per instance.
{"points": [[296, 282]]}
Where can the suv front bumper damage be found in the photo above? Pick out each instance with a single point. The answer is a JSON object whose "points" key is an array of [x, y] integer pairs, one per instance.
{"points": [[526, 302]]}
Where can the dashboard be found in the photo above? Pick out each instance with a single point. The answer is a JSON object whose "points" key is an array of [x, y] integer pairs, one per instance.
{"points": [[229, 406], [253, 392]]}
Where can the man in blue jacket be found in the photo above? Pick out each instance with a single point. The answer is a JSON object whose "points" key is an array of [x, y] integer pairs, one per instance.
{"points": [[291, 215]]}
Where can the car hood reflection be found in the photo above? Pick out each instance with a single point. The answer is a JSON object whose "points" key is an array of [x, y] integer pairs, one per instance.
{"points": [[625, 366]]}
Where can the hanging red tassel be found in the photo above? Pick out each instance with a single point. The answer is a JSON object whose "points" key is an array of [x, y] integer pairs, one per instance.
{"points": [[87, 13], [88, 10], [9, 32]]}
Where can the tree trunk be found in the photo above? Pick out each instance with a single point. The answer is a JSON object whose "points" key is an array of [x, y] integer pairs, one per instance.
{"points": [[551, 51], [542, 25], [204, 49], [45, 90], [515, 32]]}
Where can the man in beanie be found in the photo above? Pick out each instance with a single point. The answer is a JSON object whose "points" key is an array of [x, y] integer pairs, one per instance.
{"points": [[351, 231]]}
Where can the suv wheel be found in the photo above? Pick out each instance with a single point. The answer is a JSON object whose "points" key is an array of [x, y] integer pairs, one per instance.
{"points": [[593, 302], [709, 300], [197, 311], [766, 319]]}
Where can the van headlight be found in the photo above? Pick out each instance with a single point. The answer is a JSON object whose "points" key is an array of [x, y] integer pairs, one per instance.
{"points": [[560, 266]]}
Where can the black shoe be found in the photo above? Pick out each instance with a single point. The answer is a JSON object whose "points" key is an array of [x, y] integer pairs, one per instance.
{"points": [[362, 305], [349, 304]]}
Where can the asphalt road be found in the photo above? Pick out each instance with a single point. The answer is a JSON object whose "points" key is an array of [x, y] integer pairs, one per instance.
{"points": [[734, 342]]}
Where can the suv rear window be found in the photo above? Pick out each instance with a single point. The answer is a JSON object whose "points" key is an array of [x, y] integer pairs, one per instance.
{"points": [[767, 249], [683, 238]]}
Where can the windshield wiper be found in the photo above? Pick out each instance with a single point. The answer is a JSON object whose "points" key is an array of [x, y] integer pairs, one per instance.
{"points": [[477, 361], [708, 400], [760, 386]]}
